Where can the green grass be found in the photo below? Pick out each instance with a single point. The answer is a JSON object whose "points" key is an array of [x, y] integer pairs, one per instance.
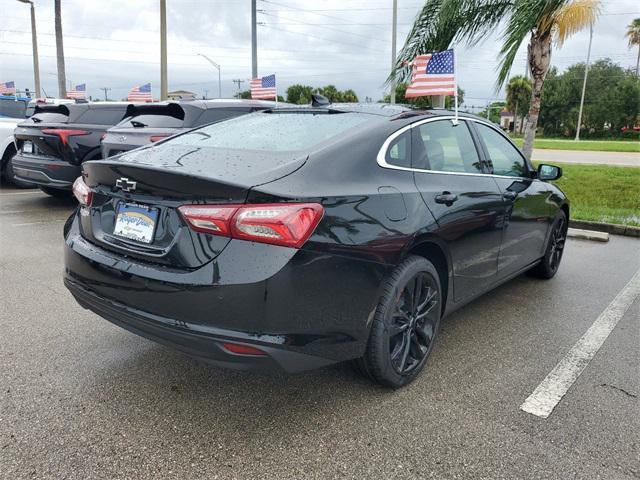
{"points": [[600, 193], [593, 145]]}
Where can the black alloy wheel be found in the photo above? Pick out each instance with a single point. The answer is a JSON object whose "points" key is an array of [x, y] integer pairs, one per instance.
{"points": [[550, 263], [413, 323], [405, 324]]}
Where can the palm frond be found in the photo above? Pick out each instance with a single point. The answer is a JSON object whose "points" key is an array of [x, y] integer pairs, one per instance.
{"points": [[573, 17], [441, 22]]}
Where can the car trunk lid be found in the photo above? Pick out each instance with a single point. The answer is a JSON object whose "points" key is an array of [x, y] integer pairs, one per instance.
{"points": [[155, 181]]}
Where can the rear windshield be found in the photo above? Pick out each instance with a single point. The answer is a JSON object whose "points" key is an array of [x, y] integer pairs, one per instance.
{"points": [[47, 117], [158, 121], [101, 116], [272, 131]]}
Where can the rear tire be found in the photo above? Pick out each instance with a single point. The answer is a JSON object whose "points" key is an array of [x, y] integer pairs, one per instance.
{"points": [[9, 176], [405, 324], [57, 192], [548, 266]]}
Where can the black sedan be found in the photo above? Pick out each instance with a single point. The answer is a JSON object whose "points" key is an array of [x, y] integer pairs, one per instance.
{"points": [[299, 237]]}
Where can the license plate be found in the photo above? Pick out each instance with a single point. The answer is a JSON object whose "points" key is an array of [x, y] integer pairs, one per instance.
{"points": [[27, 147], [136, 222]]}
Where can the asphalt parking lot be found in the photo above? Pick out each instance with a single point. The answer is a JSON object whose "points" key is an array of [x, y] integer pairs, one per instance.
{"points": [[81, 398]]}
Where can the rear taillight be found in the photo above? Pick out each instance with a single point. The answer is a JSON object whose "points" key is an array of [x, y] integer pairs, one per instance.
{"points": [[240, 349], [64, 133], [155, 138], [82, 192], [286, 224]]}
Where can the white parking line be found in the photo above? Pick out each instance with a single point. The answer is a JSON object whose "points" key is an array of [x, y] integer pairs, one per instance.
{"points": [[549, 393], [37, 192]]}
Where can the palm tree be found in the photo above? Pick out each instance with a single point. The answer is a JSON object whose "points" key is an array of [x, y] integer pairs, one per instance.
{"points": [[518, 97], [441, 22], [633, 32]]}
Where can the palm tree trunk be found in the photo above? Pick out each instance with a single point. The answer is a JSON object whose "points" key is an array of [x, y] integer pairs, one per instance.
{"points": [[515, 119], [638, 63], [539, 53]]}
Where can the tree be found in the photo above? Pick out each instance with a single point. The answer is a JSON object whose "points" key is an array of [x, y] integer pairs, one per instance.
{"points": [[633, 32], [440, 22], [518, 97], [612, 100], [299, 94], [349, 96], [331, 92], [245, 94]]}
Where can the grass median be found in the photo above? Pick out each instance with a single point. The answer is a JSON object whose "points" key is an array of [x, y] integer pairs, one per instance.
{"points": [[584, 145], [600, 193]]}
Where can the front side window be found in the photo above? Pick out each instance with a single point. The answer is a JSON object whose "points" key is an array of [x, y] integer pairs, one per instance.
{"points": [[443, 146], [504, 157]]}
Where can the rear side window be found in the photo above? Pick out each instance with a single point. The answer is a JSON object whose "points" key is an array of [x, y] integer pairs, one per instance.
{"points": [[399, 151], [102, 116], [216, 115], [158, 121], [275, 132], [505, 158], [445, 147]]}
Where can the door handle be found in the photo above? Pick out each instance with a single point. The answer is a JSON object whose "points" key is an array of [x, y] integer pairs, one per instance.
{"points": [[447, 198], [509, 195]]}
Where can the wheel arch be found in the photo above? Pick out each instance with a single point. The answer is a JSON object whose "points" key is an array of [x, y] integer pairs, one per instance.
{"points": [[435, 250]]}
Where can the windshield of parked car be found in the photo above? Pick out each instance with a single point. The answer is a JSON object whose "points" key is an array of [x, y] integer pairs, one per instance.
{"points": [[286, 131]]}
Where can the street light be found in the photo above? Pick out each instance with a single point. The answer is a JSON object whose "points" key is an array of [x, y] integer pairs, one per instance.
{"points": [[34, 41], [218, 67]]}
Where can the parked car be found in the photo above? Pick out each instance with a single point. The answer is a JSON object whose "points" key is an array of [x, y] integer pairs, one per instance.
{"points": [[54, 142], [299, 237], [146, 123]]}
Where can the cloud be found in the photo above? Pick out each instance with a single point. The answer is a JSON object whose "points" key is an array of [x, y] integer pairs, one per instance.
{"points": [[116, 44]]}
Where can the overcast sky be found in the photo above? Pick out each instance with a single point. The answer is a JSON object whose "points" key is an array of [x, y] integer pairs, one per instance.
{"points": [[343, 42]]}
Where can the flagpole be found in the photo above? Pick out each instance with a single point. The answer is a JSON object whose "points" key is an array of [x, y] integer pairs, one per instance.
{"points": [[275, 82], [455, 76]]}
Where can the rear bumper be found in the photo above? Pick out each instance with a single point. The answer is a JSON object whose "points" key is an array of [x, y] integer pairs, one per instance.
{"points": [[44, 171], [206, 346], [304, 309]]}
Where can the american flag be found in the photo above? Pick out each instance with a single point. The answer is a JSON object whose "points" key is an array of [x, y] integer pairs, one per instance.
{"points": [[264, 87], [8, 88], [79, 92], [141, 93], [433, 74]]}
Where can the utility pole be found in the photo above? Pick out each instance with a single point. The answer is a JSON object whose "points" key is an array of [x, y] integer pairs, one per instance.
{"points": [[215, 65], [105, 90], [163, 50], [394, 27], [238, 82], [254, 41], [34, 42], [62, 77], [584, 83]]}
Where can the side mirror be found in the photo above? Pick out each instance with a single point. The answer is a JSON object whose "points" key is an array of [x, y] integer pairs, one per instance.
{"points": [[549, 172]]}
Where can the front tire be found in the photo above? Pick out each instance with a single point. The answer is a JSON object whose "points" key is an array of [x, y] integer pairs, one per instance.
{"points": [[405, 324], [549, 264]]}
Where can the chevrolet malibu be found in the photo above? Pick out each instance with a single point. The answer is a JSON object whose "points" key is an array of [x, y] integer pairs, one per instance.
{"points": [[295, 238]]}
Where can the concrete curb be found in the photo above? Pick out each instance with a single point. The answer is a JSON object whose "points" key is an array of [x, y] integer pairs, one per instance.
{"points": [[611, 228], [588, 235]]}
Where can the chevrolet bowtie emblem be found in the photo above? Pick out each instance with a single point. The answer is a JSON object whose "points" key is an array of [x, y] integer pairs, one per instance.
{"points": [[125, 184]]}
